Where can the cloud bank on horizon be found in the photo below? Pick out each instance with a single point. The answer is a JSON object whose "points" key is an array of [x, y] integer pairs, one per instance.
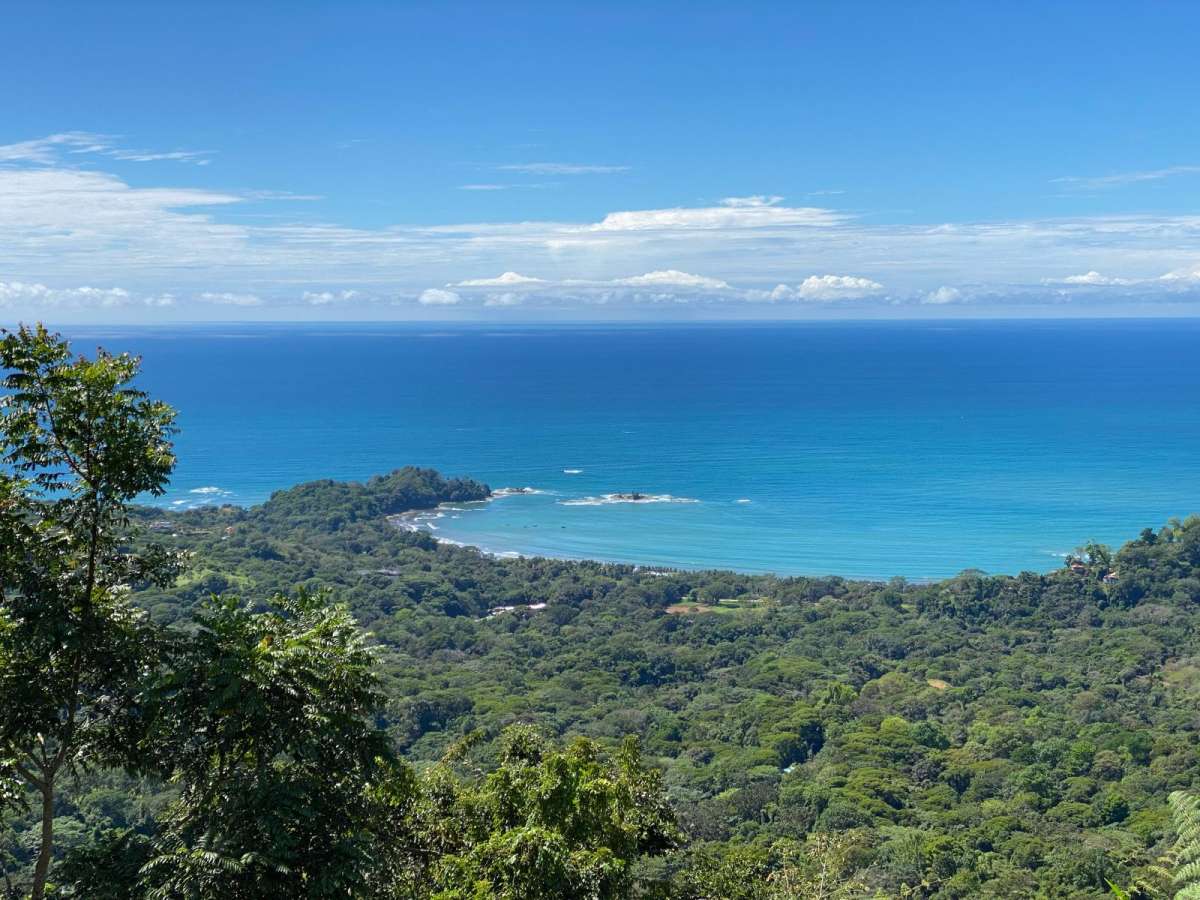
{"points": [[78, 240]]}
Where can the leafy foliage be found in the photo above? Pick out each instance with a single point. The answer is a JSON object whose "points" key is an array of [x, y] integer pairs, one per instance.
{"points": [[263, 721], [546, 823], [1185, 811], [77, 443], [981, 735]]}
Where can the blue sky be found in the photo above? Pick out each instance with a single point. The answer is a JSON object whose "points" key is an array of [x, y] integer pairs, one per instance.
{"points": [[166, 162]]}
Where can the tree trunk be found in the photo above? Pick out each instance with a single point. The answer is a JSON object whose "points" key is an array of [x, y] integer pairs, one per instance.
{"points": [[42, 869]]}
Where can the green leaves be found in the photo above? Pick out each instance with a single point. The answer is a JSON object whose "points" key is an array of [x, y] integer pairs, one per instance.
{"points": [[1185, 812], [548, 822], [264, 722], [77, 424], [77, 444]]}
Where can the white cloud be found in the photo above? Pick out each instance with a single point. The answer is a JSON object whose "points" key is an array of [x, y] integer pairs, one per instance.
{"points": [[1092, 278], [438, 297], [12, 292], [279, 195], [553, 168], [35, 296], [1182, 277], [506, 299], [78, 226], [508, 278], [1187, 273], [943, 295], [228, 298], [836, 287], [91, 296], [48, 150], [674, 278], [327, 298], [826, 288], [198, 157], [1124, 178], [659, 286], [91, 225], [715, 217], [753, 201]]}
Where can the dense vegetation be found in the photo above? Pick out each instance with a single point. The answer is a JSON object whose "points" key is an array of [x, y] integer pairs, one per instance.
{"points": [[681, 734], [1008, 736]]}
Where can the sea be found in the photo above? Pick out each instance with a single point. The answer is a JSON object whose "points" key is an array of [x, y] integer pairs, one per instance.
{"points": [[863, 449]]}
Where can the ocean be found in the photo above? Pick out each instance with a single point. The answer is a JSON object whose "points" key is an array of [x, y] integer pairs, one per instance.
{"points": [[913, 449]]}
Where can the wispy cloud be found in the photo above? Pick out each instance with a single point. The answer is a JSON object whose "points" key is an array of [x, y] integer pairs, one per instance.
{"points": [[40, 296], [1093, 279], [673, 286], [47, 150], [669, 285], [329, 298], [674, 278], [505, 279], [753, 201], [199, 157], [438, 297], [506, 299], [280, 195], [64, 228], [228, 298], [1189, 276], [727, 216], [53, 148], [558, 168], [1095, 182]]}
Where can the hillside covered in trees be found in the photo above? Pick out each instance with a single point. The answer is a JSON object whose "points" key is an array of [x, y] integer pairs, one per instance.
{"points": [[986, 734], [377, 714]]}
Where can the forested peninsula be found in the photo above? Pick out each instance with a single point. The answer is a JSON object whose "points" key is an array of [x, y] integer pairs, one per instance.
{"points": [[301, 699]]}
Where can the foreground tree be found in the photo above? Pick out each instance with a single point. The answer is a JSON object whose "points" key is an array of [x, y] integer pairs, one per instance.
{"points": [[1185, 811], [264, 721], [1177, 873], [77, 444], [289, 790]]}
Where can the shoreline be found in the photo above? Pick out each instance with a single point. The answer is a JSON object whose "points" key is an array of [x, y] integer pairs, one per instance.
{"points": [[426, 521], [422, 521]]}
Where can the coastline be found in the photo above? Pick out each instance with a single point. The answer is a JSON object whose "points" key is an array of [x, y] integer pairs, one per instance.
{"points": [[864, 450], [426, 521], [422, 521]]}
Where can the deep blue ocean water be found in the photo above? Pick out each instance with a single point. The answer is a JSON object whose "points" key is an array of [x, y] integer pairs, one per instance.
{"points": [[868, 449]]}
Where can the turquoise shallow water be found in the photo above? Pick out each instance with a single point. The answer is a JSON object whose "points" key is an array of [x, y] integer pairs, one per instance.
{"points": [[915, 449]]}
